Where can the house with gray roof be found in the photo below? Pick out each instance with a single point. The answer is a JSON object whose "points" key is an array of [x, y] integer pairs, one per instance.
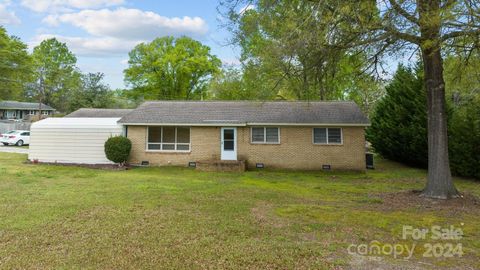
{"points": [[14, 110], [276, 134]]}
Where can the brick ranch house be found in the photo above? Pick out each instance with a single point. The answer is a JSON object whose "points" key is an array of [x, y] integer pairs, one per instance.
{"points": [[276, 134], [14, 110]]}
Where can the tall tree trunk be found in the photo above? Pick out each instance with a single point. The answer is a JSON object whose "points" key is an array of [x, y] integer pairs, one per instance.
{"points": [[439, 182]]}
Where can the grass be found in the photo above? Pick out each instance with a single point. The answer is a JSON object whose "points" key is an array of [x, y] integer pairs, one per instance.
{"points": [[70, 217]]}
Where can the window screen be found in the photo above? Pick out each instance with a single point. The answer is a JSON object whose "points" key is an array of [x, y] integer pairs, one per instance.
{"points": [[334, 135], [258, 135], [265, 135], [320, 135], [327, 135], [271, 135], [169, 138]]}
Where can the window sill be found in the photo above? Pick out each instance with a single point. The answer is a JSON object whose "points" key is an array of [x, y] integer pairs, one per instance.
{"points": [[169, 151], [262, 143], [328, 144]]}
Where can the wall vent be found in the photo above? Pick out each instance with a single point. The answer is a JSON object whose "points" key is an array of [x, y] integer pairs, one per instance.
{"points": [[326, 167], [260, 165]]}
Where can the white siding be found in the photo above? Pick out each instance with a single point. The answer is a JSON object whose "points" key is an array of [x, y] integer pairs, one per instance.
{"points": [[72, 140]]}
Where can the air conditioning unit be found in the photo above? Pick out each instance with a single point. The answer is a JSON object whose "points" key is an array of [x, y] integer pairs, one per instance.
{"points": [[369, 160]]}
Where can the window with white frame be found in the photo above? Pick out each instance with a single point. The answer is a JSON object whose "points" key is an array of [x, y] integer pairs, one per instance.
{"points": [[168, 138], [31, 112], [45, 112], [327, 136], [266, 135]]}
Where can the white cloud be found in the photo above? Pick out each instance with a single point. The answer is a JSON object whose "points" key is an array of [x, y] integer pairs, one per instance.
{"points": [[130, 24], [91, 46], [7, 16], [53, 6], [115, 32]]}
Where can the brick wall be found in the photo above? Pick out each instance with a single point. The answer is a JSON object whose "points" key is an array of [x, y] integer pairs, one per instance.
{"points": [[295, 151]]}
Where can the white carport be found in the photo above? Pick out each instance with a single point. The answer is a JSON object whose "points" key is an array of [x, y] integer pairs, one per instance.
{"points": [[72, 140]]}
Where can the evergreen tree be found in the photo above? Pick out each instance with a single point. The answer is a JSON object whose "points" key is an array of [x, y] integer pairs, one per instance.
{"points": [[399, 123]]}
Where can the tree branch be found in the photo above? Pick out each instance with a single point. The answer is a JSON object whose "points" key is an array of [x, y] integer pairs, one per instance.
{"points": [[403, 12], [460, 33], [400, 35]]}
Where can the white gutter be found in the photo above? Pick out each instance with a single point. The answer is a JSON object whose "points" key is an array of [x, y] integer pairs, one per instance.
{"points": [[248, 124]]}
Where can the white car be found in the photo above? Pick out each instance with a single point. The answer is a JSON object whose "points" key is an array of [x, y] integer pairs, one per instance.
{"points": [[16, 137]]}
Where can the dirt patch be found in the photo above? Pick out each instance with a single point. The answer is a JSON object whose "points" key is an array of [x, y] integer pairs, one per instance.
{"points": [[412, 199], [264, 214], [113, 167]]}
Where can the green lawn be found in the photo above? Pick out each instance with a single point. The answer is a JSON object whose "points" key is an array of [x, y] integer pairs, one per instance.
{"points": [[69, 217]]}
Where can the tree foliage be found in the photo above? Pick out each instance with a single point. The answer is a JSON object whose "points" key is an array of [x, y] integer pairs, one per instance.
{"points": [[169, 68], [398, 128], [55, 74], [398, 131], [15, 66], [92, 93], [286, 50], [464, 139]]}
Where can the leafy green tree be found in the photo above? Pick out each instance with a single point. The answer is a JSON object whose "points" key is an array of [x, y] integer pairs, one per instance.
{"points": [[231, 84], [462, 77], [398, 128], [290, 49], [228, 85], [55, 74], [464, 139], [15, 66], [462, 83], [92, 93], [169, 68]]}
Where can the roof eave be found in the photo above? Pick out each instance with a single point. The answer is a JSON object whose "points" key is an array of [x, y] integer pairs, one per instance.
{"points": [[248, 124]]}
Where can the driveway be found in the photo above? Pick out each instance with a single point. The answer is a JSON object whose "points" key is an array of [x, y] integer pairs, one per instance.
{"points": [[13, 149]]}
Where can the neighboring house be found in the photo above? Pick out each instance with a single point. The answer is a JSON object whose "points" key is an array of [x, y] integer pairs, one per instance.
{"points": [[99, 113], [14, 110], [289, 135]]}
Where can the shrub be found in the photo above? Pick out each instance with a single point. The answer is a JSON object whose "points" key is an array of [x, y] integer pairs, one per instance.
{"points": [[399, 122], [117, 149]]}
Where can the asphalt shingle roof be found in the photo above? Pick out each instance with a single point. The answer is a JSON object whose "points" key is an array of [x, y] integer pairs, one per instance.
{"points": [[15, 105], [246, 112], [99, 113]]}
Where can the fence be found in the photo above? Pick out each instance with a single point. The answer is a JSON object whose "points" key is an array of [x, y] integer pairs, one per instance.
{"points": [[6, 126]]}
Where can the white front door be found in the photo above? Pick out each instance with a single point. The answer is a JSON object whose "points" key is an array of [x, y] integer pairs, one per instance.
{"points": [[229, 143]]}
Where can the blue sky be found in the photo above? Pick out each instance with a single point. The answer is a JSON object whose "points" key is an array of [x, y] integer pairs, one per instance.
{"points": [[102, 32]]}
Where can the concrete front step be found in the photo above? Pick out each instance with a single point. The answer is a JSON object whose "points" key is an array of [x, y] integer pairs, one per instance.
{"points": [[221, 165]]}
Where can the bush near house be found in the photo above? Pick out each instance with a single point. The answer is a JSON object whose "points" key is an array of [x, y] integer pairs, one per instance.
{"points": [[399, 126], [117, 149]]}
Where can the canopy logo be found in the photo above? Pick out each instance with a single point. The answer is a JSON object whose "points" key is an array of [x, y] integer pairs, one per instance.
{"points": [[445, 245]]}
